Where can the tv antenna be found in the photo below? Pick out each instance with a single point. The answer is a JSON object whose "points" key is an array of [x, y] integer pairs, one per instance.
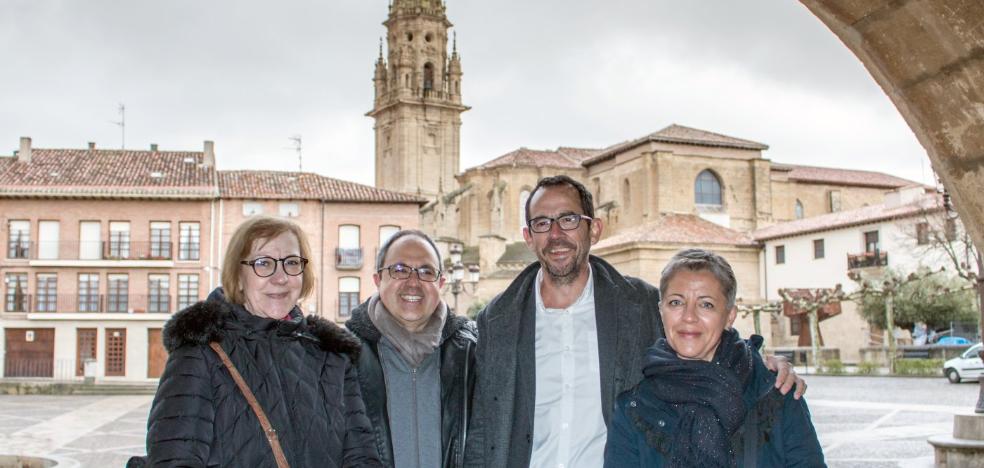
{"points": [[296, 140], [122, 125]]}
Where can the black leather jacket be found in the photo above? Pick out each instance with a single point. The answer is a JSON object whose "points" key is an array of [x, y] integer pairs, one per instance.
{"points": [[458, 341]]}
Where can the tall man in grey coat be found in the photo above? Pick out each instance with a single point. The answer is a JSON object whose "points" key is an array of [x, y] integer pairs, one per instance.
{"points": [[560, 343]]}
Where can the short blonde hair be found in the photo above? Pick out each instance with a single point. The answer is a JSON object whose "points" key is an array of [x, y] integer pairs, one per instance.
{"points": [[246, 235]]}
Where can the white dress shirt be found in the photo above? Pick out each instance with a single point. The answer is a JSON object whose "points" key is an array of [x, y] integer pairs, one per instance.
{"points": [[568, 427]]}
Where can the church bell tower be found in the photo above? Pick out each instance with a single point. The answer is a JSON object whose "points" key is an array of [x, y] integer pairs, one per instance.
{"points": [[417, 105]]}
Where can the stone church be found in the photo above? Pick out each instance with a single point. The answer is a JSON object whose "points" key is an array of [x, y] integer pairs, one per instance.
{"points": [[677, 187]]}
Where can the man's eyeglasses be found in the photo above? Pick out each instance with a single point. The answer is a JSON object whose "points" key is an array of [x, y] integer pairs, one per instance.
{"points": [[401, 271], [266, 266], [566, 222]]}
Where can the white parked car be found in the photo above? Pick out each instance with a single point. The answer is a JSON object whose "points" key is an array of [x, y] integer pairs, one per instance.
{"points": [[967, 366]]}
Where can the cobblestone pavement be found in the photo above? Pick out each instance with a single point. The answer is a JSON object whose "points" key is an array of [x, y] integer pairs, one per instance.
{"points": [[862, 422]]}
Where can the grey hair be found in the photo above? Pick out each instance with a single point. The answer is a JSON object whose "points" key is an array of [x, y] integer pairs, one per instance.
{"points": [[702, 260], [381, 256]]}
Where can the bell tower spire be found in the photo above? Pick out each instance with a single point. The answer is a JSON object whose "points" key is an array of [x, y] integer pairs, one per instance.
{"points": [[417, 106]]}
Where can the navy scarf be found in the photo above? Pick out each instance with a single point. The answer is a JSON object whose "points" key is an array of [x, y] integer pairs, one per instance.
{"points": [[707, 397]]}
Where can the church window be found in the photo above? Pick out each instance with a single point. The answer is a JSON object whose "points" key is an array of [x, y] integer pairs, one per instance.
{"points": [[428, 37], [523, 197], [428, 76], [409, 37], [707, 189], [626, 193], [799, 209]]}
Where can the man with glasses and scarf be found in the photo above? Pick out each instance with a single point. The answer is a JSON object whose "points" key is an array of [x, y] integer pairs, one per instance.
{"points": [[561, 343], [416, 368]]}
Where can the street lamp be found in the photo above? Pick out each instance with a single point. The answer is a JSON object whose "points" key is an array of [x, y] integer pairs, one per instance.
{"points": [[459, 283]]}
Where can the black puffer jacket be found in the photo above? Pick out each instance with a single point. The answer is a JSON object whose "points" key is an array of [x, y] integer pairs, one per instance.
{"points": [[300, 371], [458, 341]]}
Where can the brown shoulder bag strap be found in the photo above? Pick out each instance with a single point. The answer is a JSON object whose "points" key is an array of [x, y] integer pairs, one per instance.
{"points": [[271, 433]]}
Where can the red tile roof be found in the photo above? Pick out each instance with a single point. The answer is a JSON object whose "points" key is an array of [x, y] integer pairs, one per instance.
{"points": [[563, 157], [168, 174], [108, 173], [679, 134], [830, 175], [671, 228], [303, 186], [841, 219]]}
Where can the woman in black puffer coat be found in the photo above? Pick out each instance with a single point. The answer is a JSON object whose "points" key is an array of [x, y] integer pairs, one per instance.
{"points": [[299, 368]]}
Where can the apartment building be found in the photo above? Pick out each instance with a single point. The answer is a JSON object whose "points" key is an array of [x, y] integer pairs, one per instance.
{"points": [[103, 246]]}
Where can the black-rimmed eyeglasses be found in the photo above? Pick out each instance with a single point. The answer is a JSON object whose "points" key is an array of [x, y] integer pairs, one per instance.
{"points": [[266, 266], [566, 222], [400, 271]]}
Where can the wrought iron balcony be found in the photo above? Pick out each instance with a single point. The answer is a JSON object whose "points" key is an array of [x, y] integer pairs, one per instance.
{"points": [[348, 259], [867, 260]]}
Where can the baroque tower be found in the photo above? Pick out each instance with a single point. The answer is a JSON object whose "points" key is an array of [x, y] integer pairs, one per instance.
{"points": [[417, 105]]}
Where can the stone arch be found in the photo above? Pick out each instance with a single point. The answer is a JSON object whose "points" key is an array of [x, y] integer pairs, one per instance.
{"points": [[927, 60]]}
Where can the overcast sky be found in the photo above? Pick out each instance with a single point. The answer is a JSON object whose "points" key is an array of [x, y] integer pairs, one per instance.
{"points": [[540, 74]]}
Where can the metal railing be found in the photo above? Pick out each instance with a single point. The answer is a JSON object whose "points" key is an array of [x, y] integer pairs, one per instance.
{"points": [[867, 260], [97, 303], [95, 250], [348, 259]]}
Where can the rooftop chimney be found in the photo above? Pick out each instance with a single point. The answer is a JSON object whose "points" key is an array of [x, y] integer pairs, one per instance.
{"points": [[209, 159], [92, 145], [24, 155], [153, 147]]}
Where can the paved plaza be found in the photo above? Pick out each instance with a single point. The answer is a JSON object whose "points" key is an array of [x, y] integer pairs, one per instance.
{"points": [[862, 422]]}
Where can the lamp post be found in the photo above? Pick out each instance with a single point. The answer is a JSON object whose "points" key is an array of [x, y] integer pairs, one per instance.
{"points": [[459, 282]]}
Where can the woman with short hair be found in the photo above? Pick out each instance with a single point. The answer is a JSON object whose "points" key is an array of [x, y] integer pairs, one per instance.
{"points": [[707, 399], [298, 403]]}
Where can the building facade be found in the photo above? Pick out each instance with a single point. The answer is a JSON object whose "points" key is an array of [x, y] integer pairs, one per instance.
{"points": [[822, 251], [101, 247]]}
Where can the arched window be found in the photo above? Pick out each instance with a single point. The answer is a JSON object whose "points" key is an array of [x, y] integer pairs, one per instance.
{"points": [[428, 76], [707, 189], [799, 209], [626, 193], [523, 196]]}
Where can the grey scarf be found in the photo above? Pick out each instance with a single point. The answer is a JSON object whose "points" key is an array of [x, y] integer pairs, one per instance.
{"points": [[414, 347]]}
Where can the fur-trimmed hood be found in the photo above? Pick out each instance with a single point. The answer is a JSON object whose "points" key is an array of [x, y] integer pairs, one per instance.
{"points": [[215, 319]]}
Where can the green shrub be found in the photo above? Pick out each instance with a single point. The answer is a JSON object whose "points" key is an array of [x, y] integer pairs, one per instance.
{"points": [[923, 367], [832, 367], [868, 368]]}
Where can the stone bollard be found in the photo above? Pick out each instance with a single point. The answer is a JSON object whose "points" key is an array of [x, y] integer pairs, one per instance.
{"points": [[965, 449]]}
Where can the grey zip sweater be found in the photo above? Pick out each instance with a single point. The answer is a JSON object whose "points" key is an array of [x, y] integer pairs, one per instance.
{"points": [[413, 399]]}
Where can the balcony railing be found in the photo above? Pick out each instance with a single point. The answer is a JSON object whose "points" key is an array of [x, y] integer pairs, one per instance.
{"points": [[348, 259], [17, 303], [867, 260], [95, 250], [18, 249], [97, 303]]}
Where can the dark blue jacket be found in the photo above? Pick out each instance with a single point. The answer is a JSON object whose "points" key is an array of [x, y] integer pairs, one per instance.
{"points": [[643, 426]]}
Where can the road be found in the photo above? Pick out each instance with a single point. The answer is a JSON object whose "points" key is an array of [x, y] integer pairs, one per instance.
{"points": [[861, 421]]}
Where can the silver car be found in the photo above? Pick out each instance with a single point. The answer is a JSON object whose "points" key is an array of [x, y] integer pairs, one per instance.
{"points": [[967, 366]]}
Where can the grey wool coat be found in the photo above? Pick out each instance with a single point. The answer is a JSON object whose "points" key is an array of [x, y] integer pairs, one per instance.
{"points": [[627, 314]]}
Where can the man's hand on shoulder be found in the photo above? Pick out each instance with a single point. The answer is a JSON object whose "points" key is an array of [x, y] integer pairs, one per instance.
{"points": [[786, 376]]}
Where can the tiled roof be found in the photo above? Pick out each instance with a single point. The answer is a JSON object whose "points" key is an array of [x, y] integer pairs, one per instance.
{"points": [[848, 218], [108, 173], [303, 186], [672, 228], [564, 157], [680, 134], [829, 175]]}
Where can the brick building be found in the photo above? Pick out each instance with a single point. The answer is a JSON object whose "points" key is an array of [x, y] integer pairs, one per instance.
{"points": [[102, 246]]}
